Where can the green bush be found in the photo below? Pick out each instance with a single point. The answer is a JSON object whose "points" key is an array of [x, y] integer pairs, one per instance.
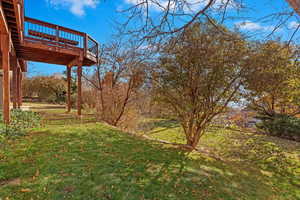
{"points": [[279, 125], [20, 122]]}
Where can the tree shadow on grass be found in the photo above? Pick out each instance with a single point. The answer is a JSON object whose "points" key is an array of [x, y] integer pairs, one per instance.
{"points": [[103, 163], [149, 125], [59, 117], [272, 160], [68, 119]]}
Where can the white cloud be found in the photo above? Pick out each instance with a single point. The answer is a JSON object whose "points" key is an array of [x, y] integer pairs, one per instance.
{"points": [[252, 26], [77, 7], [293, 25]]}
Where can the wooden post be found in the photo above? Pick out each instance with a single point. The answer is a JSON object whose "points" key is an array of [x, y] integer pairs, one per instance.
{"points": [[19, 86], [21, 92], [79, 89], [69, 68], [5, 48], [15, 83]]}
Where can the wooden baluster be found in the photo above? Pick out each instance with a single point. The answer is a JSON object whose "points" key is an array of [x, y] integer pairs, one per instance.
{"points": [[57, 34]]}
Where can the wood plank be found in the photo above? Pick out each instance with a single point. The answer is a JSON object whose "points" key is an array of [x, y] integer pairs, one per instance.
{"points": [[12, 9], [3, 23], [45, 46], [7, 1], [42, 35], [49, 43], [46, 57], [52, 37]]}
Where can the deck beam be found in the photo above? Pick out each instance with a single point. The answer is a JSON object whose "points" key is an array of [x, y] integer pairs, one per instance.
{"points": [[18, 8]]}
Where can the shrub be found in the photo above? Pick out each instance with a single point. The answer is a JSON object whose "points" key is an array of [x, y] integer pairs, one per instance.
{"points": [[280, 125], [20, 122]]}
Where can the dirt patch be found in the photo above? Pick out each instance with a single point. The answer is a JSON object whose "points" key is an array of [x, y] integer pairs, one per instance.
{"points": [[13, 182]]}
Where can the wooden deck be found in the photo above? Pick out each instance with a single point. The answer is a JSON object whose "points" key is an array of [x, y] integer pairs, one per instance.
{"points": [[35, 40], [50, 43], [25, 39]]}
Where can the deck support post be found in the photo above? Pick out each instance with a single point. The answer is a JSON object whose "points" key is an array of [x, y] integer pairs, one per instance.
{"points": [[69, 68], [79, 89], [15, 83], [19, 87], [5, 48], [21, 91]]}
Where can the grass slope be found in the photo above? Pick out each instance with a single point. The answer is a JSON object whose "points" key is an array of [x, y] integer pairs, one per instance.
{"points": [[86, 160]]}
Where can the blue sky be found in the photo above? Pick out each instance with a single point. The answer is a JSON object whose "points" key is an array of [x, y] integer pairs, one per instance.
{"points": [[95, 17], [95, 20]]}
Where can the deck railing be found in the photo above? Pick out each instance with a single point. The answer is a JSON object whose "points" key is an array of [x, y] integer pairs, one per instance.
{"points": [[54, 35], [92, 46]]}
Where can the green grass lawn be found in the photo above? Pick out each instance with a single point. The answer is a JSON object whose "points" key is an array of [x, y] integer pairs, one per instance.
{"points": [[74, 158]]}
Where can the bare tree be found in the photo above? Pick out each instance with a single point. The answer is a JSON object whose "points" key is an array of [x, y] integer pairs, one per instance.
{"points": [[172, 16], [116, 81], [156, 20], [295, 4]]}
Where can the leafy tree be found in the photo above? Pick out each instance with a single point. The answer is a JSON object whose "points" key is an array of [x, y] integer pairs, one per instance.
{"points": [[199, 74], [47, 88], [273, 82], [73, 79]]}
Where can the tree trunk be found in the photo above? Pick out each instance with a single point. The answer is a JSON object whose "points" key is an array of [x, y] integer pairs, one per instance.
{"points": [[193, 139]]}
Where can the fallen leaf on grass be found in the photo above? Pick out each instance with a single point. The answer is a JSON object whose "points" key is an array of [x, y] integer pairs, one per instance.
{"points": [[69, 189], [26, 190], [37, 173]]}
